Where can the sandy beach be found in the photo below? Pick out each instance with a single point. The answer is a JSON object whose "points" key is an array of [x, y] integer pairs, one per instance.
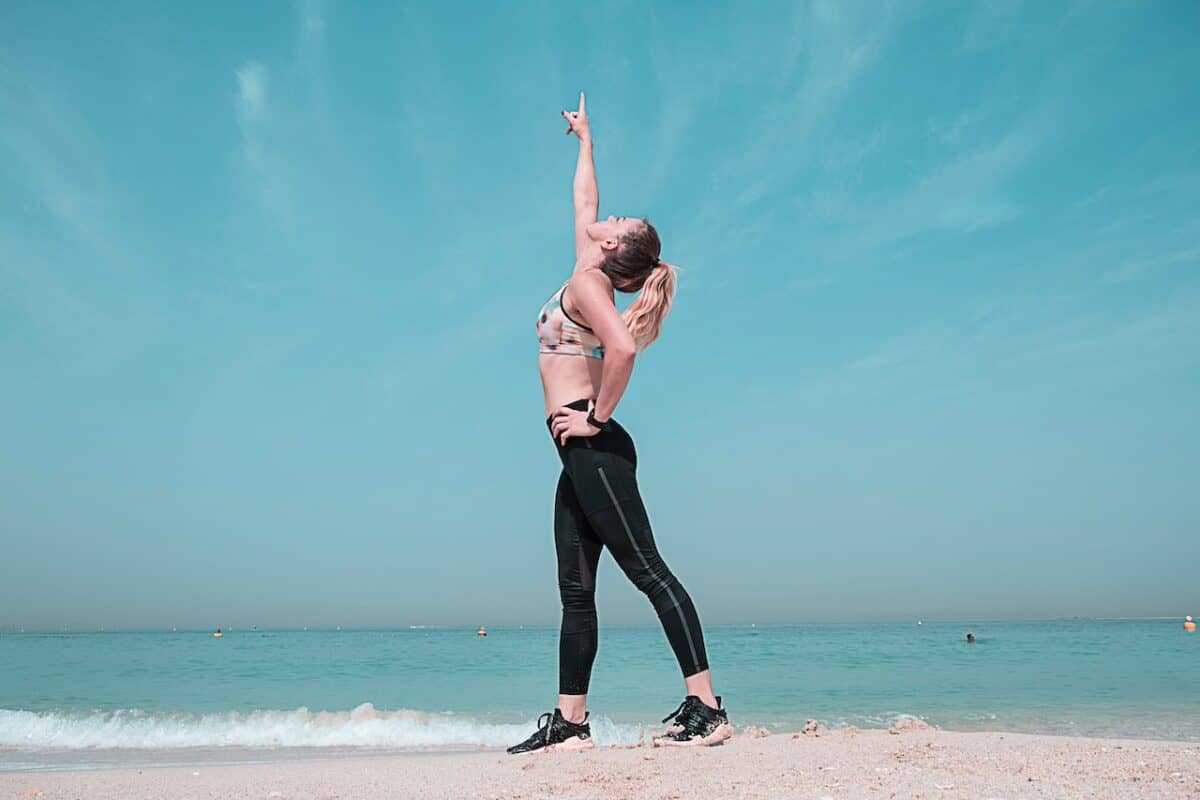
{"points": [[849, 763]]}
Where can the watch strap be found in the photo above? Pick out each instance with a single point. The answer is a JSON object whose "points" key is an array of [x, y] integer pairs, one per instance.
{"points": [[595, 423]]}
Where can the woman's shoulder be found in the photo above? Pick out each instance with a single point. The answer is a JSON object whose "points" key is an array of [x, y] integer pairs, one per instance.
{"points": [[589, 278]]}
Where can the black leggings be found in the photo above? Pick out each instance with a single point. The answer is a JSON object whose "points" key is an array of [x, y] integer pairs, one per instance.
{"points": [[597, 505]]}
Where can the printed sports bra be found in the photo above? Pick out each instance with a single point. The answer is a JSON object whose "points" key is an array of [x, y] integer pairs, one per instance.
{"points": [[558, 333]]}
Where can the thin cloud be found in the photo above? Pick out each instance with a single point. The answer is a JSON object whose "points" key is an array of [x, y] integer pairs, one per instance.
{"points": [[1140, 268], [951, 132], [834, 50], [252, 91], [61, 167], [312, 26], [269, 170], [964, 194]]}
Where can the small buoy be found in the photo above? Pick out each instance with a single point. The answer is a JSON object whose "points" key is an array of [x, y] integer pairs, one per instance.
{"points": [[920, 622], [218, 634], [481, 632], [1189, 625]]}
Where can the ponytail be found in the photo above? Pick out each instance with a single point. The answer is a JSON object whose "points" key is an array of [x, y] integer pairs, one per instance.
{"points": [[646, 314], [635, 266]]}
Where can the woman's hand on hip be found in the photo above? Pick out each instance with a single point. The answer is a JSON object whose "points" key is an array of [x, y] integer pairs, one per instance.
{"points": [[568, 423]]}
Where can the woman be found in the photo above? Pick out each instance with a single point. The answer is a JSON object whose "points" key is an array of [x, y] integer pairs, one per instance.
{"points": [[586, 357]]}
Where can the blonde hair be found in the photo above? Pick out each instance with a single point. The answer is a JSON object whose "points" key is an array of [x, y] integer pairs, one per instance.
{"points": [[635, 266], [645, 315]]}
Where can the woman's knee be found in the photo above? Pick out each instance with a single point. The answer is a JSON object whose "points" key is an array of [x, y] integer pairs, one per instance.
{"points": [[577, 599], [652, 578]]}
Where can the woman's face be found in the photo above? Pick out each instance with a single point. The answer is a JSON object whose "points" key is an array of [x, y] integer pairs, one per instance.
{"points": [[610, 231]]}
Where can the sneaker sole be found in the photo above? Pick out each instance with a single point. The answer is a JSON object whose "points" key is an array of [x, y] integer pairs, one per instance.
{"points": [[568, 745], [723, 732]]}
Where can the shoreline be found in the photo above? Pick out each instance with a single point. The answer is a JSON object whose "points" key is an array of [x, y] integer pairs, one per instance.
{"points": [[907, 761]]}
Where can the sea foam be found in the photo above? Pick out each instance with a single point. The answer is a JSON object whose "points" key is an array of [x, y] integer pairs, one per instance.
{"points": [[365, 727]]}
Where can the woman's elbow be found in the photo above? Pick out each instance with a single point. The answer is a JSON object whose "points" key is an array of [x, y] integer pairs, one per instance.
{"points": [[622, 352]]}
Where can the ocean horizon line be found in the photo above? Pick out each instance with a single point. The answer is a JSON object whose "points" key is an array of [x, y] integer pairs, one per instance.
{"points": [[10, 629]]}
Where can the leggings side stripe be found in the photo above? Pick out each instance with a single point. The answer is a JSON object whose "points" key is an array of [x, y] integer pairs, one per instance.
{"points": [[682, 621]]}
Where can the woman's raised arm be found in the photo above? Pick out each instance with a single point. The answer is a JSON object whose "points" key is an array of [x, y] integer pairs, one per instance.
{"points": [[587, 194]]}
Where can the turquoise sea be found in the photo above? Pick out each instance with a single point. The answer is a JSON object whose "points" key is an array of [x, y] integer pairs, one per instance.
{"points": [[87, 699]]}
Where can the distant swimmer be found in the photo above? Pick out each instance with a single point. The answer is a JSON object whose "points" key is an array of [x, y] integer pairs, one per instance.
{"points": [[481, 632], [218, 634], [970, 638], [1189, 625]]}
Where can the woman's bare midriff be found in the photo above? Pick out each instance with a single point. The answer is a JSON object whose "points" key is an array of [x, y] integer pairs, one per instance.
{"points": [[568, 377]]}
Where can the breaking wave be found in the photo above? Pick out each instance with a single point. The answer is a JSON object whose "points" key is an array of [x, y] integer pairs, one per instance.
{"points": [[363, 727]]}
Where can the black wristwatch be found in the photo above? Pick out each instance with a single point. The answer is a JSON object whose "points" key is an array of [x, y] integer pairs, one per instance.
{"points": [[595, 423]]}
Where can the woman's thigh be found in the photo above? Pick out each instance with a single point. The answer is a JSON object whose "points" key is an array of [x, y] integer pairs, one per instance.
{"points": [[605, 486], [576, 543]]}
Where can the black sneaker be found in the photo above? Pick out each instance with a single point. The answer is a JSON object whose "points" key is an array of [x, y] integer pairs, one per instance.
{"points": [[555, 734], [698, 725], [685, 708]]}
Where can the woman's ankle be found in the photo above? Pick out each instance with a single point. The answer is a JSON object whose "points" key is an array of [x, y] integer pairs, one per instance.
{"points": [[573, 707], [700, 685]]}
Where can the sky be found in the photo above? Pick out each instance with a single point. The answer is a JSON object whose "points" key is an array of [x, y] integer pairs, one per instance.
{"points": [[269, 271]]}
